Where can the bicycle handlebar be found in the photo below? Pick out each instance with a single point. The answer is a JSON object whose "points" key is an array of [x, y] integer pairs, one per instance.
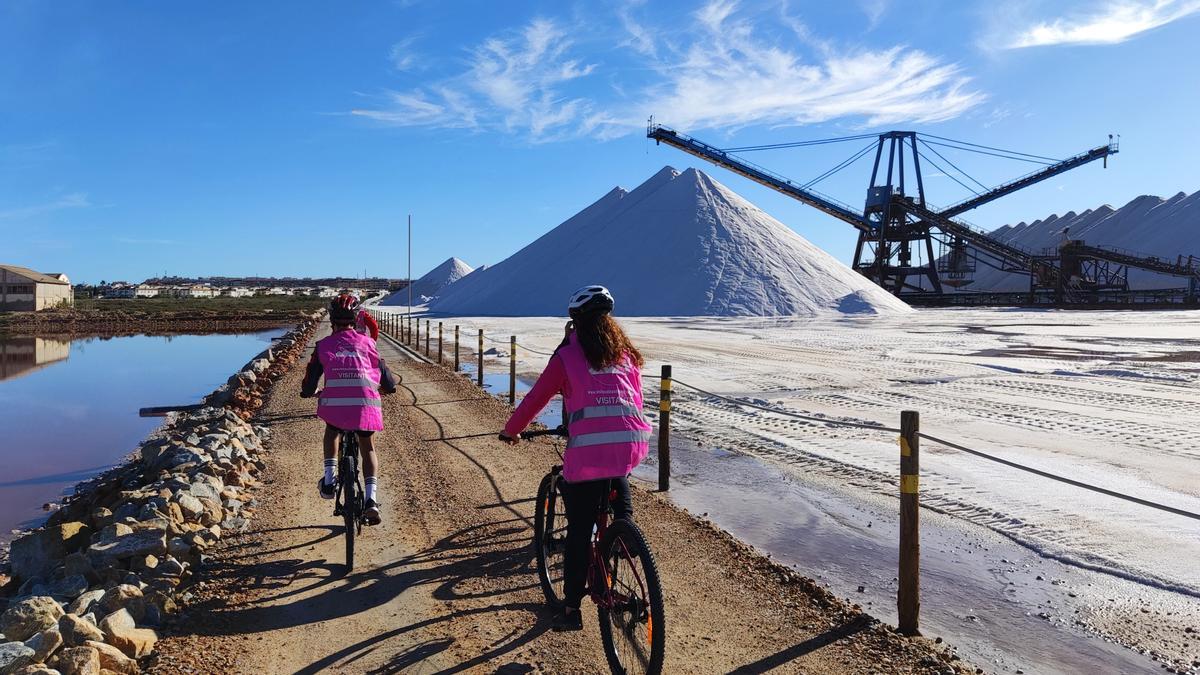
{"points": [[560, 431]]}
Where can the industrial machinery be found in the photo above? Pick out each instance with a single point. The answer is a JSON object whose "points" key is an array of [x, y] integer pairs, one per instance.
{"points": [[898, 228]]}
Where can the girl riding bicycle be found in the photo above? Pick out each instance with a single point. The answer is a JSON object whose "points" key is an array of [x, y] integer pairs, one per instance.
{"points": [[598, 372]]}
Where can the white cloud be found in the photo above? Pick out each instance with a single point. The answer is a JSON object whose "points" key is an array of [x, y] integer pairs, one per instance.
{"points": [[513, 83], [530, 83], [1114, 22], [74, 200], [401, 54], [731, 77]]}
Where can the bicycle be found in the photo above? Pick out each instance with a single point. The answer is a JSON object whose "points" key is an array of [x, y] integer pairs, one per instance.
{"points": [[629, 602], [349, 501]]}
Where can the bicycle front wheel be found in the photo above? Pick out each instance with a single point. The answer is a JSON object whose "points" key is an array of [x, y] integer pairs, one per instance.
{"points": [[351, 507], [632, 625], [550, 539]]}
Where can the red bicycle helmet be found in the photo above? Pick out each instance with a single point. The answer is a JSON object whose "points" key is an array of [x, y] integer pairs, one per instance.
{"points": [[343, 310]]}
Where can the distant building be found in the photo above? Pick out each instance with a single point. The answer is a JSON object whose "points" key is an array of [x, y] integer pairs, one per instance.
{"points": [[236, 292], [197, 292], [21, 355], [23, 290], [147, 291]]}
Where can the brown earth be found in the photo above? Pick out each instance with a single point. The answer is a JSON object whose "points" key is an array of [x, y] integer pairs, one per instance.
{"points": [[447, 583]]}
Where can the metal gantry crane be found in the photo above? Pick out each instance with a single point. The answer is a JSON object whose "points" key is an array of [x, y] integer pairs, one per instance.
{"points": [[897, 227]]}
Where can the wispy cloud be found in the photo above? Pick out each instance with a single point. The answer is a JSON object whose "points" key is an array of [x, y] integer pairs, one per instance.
{"points": [[513, 83], [727, 73], [74, 200], [1114, 22], [731, 76], [402, 55]]}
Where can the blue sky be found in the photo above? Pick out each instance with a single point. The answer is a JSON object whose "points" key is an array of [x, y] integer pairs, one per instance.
{"points": [[293, 138]]}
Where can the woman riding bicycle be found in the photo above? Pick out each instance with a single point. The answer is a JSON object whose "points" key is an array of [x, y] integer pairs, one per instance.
{"points": [[598, 372]]}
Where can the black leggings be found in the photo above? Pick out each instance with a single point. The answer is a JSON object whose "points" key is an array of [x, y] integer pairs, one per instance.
{"points": [[583, 502]]}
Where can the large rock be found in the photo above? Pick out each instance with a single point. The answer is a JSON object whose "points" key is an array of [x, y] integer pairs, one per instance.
{"points": [[113, 659], [44, 643], [13, 656], [192, 508], [32, 554], [83, 604], [127, 597], [76, 631], [122, 632], [37, 669], [30, 616], [151, 541], [78, 661]]}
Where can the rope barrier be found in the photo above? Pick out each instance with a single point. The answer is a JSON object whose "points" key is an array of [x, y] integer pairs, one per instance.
{"points": [[961, 448], [1063, 479]]}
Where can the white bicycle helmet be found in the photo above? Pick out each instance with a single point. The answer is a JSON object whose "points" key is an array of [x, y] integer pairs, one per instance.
{"points": [[590, 299]]}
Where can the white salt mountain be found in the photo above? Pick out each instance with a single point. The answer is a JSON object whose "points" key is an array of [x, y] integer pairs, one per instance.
{"points": [[429, 286], [1147, 225], [680, 244]]}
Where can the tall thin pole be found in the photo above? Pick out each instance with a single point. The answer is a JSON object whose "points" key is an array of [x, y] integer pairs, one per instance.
{"points": [[409, 268]]}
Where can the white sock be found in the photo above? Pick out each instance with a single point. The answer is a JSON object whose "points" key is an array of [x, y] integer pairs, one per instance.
{"points": [[330, 465], [372, 483]]}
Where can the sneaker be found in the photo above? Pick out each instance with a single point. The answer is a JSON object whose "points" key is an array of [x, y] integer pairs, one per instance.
{"points": [[327, 490], [371, 513], [565, 621]]}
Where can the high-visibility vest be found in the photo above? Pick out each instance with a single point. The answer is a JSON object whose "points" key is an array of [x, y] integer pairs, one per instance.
{"points": [[609, 436], [350, 399]]}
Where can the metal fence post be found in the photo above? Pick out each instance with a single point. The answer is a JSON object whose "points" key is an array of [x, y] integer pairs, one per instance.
{"points": [[664, 431], [480, 352], [439, 343], [908, 596], [456, 349], [512, 370]]}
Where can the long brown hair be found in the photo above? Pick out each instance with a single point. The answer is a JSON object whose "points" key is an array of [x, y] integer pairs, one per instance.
{"points": [[604, 343]]}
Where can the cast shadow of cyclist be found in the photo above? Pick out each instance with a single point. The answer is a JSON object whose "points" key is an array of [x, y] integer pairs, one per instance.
{"points": [[295, 592]]}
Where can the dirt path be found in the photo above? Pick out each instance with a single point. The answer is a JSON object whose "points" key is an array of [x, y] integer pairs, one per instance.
{"points": [[447, 583]]}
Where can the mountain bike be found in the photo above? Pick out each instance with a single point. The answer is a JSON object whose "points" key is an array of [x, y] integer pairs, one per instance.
{"points": [[349, 501], [622, 577]]}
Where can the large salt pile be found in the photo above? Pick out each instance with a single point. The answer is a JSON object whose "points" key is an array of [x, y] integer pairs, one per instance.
{"points": [[680, 244], [1148, 225], [429, 286]]}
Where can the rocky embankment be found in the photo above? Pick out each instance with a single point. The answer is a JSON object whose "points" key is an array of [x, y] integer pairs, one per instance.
{"points": [[88, 592], [70, 323]]}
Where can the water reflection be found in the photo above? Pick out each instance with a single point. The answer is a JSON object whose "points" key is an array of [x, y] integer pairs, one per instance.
{"points": [[21, 355], [69, 409]]}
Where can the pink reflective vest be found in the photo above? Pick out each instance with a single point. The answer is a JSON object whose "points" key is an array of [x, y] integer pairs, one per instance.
{"points": [[609, 435], [350, 399]]}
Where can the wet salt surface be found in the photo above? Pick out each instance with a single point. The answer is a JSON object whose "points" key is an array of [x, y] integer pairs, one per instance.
{"points": [[69, 409], [985, 595]]}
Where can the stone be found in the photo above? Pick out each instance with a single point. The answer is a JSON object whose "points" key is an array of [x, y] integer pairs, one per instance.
{"points": [[32, 554], [143, 542], [127, 597], [14, 655], [114, 659], [78, 661], [44, 643], [183, 457], [237, 524], [192, 508], [29, 616], [83, 604], [175, 513], [67, 588], [178, 548], [122, 632], [232, 505], [213, 513], [37, 669], [78, 564], [76, 631], [101, 518]]}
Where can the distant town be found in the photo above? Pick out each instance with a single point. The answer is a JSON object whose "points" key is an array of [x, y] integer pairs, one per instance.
{"points": [[23, 289]]}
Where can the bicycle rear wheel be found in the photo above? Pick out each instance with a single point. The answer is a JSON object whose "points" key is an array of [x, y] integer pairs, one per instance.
{"points": [[550, 539], [632, 625], [351, 504]]}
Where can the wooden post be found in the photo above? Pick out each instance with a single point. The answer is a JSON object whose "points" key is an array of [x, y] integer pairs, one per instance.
{"points": [[512, 370], [480, 353], [439, 343], [456, 349], [417, 343], [428, 330], [664, 431], [908, 596]]}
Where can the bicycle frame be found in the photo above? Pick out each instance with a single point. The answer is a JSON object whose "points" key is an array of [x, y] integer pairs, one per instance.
{"points": [[602, 593]]}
